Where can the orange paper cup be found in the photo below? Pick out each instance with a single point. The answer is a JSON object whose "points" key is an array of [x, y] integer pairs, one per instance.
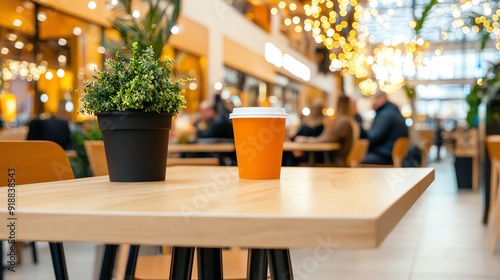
{"points": [[259, 134]]}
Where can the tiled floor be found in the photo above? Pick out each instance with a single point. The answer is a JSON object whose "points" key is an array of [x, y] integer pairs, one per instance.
{"points": [[440, 238]]}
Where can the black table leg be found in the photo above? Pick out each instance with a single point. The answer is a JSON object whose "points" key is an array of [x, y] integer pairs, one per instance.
{"points": [[132, 261], [280, 264], [257, 264], [35, 254], [58, 261], [182, 263], [209, 263], [108, 262]]}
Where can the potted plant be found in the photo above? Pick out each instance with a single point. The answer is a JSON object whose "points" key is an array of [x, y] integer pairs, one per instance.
{"points": [[134, 101]]}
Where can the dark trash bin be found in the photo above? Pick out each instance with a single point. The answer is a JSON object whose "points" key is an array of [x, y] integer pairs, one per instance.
{"points": [[463, 171]]}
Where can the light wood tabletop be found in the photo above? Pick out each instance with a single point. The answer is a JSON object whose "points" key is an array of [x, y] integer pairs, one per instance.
{"points": [[210, 206]]}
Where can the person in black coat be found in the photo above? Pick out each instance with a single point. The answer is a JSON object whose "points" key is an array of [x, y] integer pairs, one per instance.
{"points": [[387, 127], [213, 125], [50, 129]]}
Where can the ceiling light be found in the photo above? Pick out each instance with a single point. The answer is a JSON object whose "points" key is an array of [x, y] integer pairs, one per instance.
{"points": [[18, 45], [41, 16], [62, 41], [77, 31], [60, 73], [17, 22], [49, 75], [62, 59], [92, 5], [44, 97], [12, 37]]}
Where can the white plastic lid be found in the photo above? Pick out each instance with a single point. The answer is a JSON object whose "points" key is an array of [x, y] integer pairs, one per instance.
{"points": [[258, 112]]}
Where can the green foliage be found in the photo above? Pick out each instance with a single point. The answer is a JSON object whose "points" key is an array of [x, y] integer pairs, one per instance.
{"points": [[419, 23], [153, 30], [487, 89], [80, 163], [143, 83], [410, 92]]}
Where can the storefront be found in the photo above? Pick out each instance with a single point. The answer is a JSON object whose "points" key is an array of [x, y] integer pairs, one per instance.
{"points": [[45, 55]]}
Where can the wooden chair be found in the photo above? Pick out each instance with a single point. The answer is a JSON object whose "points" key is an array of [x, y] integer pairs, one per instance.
{"points": [[37, 162], [400, 150], [493, 146], [97, 157], [358, 152]]}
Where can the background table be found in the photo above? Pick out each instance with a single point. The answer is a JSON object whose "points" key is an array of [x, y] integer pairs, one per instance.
{"points": [[312, 147], [201, 148]]}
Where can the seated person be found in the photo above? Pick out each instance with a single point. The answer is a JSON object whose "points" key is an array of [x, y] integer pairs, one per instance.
{"points": [[51, 129], [312, 126], [212, 127], [388, 125], [338, 130]]}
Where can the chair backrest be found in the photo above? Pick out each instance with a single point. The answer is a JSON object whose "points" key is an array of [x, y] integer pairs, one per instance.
{"points": [[358, 152], [493, 147], [400, 150], [97, 157], [34, 162]]}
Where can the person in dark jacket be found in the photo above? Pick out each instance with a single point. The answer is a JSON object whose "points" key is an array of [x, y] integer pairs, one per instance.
{"points": [[211, 124], [387, 127], [51, 129]]}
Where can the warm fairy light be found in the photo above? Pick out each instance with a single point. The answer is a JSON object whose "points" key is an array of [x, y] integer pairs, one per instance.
{"points": [[306, 111], [218, 86]]}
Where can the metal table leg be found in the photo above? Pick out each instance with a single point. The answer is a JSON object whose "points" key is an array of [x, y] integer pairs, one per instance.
{"points": [[108, 262], [182, 263], [58, 261], [132, 261], [257, 264], [280, 264], [209, 263]]}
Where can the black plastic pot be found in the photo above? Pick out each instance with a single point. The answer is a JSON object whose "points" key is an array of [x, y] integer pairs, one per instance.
{"points": [[136, 145]]}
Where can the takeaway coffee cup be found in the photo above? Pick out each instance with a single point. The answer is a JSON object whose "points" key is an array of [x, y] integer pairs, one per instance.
{"points": [[259, 133]]}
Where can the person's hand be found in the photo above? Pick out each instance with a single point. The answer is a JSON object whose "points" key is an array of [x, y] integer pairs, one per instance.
{"points": [[300, 139], [298, 154]]}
